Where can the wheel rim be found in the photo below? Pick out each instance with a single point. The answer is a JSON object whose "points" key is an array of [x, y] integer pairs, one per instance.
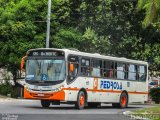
{"points": [[82, 100], [124, 101]]}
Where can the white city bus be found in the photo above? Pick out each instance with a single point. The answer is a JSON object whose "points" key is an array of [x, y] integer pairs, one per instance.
{"points": [[84, 79]]}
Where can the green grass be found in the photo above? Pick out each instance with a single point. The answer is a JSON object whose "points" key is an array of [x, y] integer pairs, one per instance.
{"points": [[151, 110], [153, 113]]}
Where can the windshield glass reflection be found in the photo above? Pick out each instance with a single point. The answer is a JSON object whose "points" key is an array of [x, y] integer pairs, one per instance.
{"points": [[45, 70]]}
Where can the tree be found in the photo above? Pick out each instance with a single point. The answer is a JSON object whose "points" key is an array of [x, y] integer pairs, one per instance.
{"points": [[152, 11], [19, 30], [109, 27], [66, 38], [23, 27], [150, 34]]}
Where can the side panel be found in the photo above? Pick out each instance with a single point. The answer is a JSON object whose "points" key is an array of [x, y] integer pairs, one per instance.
{"points": [[140, 93], [71, 95], [106, 90], [98, 90]]}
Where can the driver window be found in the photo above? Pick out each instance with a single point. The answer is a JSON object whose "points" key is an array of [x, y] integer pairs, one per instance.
{"points": [[73, 67]]}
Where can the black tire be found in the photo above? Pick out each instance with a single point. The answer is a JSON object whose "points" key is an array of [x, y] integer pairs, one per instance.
{"points": [[81, 100], [123, 102], [94, 105], [45, 103]]}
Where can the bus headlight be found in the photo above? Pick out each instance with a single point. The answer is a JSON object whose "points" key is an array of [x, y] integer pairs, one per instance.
{"points": [[61, 87], [58, 89], [26, 87]]}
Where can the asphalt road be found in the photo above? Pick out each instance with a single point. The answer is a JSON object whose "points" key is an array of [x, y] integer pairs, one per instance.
{"points": [[32, 110]]}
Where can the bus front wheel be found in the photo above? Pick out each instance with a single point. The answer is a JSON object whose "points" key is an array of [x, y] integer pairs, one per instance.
{"points": [[81, 100], [45, 103], [123, 103]]}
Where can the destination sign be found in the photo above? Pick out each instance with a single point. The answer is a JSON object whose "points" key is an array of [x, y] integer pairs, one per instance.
{"points": [[46, 53]]}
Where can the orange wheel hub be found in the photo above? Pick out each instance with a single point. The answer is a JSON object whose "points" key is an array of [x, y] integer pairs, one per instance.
{"points": [[124, 101], [82, 100]]}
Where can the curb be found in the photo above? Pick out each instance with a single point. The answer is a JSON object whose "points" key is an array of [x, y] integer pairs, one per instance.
{"points": [[12, 100], [6, 99]]}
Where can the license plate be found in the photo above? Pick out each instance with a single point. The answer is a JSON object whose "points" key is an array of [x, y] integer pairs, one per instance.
{"points": [[40, 94]]}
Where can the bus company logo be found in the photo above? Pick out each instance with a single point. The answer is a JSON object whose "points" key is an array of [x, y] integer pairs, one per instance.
{"points": [[111, 85], [95, 84]]}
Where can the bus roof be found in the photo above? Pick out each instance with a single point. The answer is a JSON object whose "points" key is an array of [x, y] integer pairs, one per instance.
{"points": [[94, 55]]}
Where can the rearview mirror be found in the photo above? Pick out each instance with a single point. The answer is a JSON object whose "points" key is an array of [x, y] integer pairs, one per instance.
{"points": [[22, 63], [71, 67]]}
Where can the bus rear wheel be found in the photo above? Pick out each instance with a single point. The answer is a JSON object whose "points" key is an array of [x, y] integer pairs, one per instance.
{"points": [[45, 103], [81, 100], [123, 103]]}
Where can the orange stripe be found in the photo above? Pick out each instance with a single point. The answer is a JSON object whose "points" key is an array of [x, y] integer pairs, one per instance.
{"points": [[137, 92], [112, 91], [71, 89]]}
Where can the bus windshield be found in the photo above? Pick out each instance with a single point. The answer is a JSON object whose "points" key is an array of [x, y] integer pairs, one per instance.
{"points": [[45, 70]]}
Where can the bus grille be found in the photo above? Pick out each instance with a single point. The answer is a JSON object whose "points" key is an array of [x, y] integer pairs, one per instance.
{"points": [[41, 95], [39, 90]]}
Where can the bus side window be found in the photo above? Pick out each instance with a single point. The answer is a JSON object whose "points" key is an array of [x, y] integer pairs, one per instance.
{"points": [[132, 72], [120, 70], [142, 73], [96, 66], [85, 67], [111, 70], [108, 69], [126, 67]]}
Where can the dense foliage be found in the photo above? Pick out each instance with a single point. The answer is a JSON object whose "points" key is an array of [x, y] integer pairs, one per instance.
{"points": [[110, 27], [7, 89], [152, 9], [155, 94]]}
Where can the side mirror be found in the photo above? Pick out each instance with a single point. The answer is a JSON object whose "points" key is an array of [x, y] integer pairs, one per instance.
{"points": [[71, 67], [22, 63]]}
